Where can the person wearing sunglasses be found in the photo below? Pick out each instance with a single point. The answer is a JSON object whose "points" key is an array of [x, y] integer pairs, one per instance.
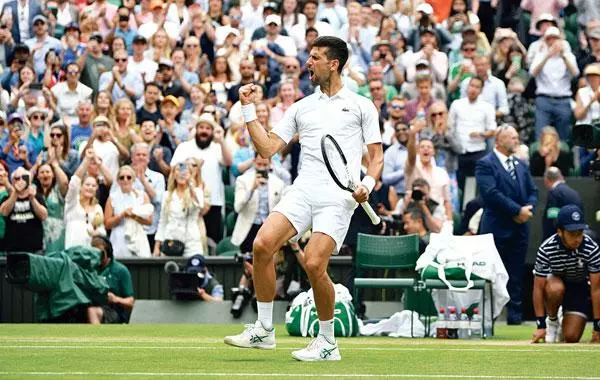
{"points": [[24, 211], [60, 149], [396, 110], [14, 149], [83, 214], [37, 117], [52, 183], [120, 81], [462, 69], [122, 202], [394, 159], [70, 93]]}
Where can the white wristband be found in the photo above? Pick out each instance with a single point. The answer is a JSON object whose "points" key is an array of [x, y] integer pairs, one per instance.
{"points": [[249, 112], [368, 182]]}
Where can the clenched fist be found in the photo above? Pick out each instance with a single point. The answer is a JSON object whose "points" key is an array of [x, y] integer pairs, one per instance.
{"points": [[247, 94]]}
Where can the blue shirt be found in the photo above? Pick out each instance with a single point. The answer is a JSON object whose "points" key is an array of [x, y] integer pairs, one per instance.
{"points": [[71, 55], [394, 160], [131, 79], [80, 134], [12, 160], [244, 154], [128, 36], [39, 56]]}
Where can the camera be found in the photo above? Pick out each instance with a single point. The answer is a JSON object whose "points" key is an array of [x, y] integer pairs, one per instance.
{"points": [[263, 173], [240, 258], [417, 194], [184, 282], [241, 297], [35, 87]]}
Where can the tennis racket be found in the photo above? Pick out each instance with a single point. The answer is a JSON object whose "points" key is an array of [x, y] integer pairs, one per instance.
{"points": [[337, 166]]}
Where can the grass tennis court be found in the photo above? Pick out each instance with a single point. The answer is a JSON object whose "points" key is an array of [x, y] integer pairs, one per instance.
{"points": [[185, 351]]}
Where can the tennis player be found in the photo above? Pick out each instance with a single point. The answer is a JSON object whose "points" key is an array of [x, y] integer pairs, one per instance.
{"points": [[314, 199]]}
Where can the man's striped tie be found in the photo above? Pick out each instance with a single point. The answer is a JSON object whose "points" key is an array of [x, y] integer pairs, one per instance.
{"points": [[511, 168]]}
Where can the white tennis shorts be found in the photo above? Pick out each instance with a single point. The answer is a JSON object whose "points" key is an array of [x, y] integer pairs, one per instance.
{"points": [[326, 214]]}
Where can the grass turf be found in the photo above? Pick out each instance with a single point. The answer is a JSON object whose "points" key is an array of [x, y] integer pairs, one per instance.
{"points": [[181, 351]]}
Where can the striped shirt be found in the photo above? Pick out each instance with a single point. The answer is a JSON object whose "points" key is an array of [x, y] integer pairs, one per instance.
{"points": [[572, 266]]}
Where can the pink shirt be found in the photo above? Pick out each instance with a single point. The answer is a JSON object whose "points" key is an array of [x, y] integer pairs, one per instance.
{"points": [[437, 177], [539, 7]]}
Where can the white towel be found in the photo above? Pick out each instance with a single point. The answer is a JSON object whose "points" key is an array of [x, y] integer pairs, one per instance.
{"points": [[137, 241]]}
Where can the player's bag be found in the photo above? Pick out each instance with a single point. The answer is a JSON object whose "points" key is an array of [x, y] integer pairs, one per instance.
{"points": [[302, 320]]}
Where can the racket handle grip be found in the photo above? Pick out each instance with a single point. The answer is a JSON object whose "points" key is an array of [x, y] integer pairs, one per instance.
{"points": [[375, 219]]}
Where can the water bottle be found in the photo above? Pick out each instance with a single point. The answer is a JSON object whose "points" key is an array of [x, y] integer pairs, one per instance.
{"points": [[476, 325], [452, 323], [464, 328], [441, 332]]}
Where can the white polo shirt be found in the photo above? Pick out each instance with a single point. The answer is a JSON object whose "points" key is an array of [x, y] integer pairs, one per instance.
{"points": [[211, 168], [466, 117], [67, 100], [350, 118]]}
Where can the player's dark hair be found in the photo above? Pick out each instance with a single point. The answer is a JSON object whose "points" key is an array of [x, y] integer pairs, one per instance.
{"points": [[336, 49]]}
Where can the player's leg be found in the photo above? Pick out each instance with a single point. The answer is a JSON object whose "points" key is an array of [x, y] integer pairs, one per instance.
{"points": [[276, 230], [573, 326], [553, 293]]}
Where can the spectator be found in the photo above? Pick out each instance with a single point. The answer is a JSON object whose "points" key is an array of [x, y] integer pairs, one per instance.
{"points": [[252, 15], [120, 295], [4, 189], [335, 14], [587, 107], [438, 61], [220, 79], [286, 97], [121, 82], [150, 182], [104, 106], [121, 204], [81, 131], [553, 71], [256, 193], [22, 97], [418, 107], [123, 28], [592, 55], [298, 31], [103, 177], [433, 212], [52, 183], [16, 151], [105, 145], [179, 214], [36, 120], [544, 22], [509, 196], [20, 58], [167, 84], [447, 147], [522, 112], [377, 91], [423, 69], [71, 41], [24, 211], [60, 150], [394, 159], [550, 153], [414, 223], [420, 164], [514, 67], [185, 77], [376, 73], [144, 66], [22, 13], [396, 113], [124, 127], [70, 93], [210, 290], [493, 90], [84, 218], [202, 190], [539, 8], [209, 146], [174, 132], [160, 157], [384, 53], [504, 40], [291, 73], [559, 195], [40, 43], [472, 121], [94, 63], [149, 109], [462, 70]]}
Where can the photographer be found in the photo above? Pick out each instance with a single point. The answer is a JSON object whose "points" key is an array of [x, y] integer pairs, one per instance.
{"points": [[433, 213], [210, 289], [120, 295], [24, 211], [256, 193], [414, 223]]}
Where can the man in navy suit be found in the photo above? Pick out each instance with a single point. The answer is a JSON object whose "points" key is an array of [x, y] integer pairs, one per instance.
{"points": [[509, 196], [559, 194], [22, 12]]}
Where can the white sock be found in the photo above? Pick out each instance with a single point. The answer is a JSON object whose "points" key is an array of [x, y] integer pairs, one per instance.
{"points": [[326, 329], [265, 314]]}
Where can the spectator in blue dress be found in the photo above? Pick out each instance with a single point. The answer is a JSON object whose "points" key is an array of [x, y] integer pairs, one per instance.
{"points": [[14, 150]]}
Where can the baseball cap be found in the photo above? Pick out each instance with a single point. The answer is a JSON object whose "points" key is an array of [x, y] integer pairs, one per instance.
{"points": [[552, 32], [545, 17], [273, 19], [594, 33], [165, 62], [427, 30], [378, 8], [101, 120], [15, 117], [39, 18], [170, 99], [422, 62], [139, 39], [96, 37], [570, 218], [196, 264], [425, 8]]}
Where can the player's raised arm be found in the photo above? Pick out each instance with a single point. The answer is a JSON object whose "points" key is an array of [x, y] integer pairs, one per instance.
{"points": [[266, 143]]}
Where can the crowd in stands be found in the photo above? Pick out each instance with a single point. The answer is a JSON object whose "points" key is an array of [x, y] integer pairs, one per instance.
{"points": [[122, 118]]}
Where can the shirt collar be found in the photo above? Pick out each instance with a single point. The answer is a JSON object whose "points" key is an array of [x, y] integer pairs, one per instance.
{"points": [[501, 156], [343, 93]]}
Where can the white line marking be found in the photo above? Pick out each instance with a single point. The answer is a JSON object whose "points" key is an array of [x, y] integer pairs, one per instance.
{"points": [[287, 375], [343, 348]]}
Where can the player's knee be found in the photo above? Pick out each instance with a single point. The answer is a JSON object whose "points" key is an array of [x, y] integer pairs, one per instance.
{"points": [[262, 248], [314, 268], [555, 287], [571, 336]]}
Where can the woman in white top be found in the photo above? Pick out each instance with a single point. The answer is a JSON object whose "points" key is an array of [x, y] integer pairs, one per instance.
{"points": [[180, 212], [587, 106], [290, 15], [123, 198], [178, 14], [83, 215], [202, 191]]}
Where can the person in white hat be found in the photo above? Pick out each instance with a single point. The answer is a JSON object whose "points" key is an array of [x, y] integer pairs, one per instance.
{"points": [[553, 72], [538, 47], [274, 36], [587, 106]]}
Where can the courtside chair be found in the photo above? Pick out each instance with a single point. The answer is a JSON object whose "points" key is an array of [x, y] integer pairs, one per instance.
{"points": [[226, 248], [230, 223], [229, 198], [386, 252]]}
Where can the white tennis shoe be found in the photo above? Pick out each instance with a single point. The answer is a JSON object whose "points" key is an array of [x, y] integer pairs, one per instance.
{"points": [[253, 336], [552, 330], [318, 349]]}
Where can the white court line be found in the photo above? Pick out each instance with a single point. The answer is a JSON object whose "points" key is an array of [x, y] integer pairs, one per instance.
{"points": [[343, 348], [287, 375]]}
